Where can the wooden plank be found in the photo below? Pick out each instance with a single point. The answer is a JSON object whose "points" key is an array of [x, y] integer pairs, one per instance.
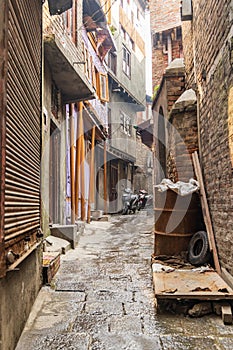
{"points": [[82, 165], [226, 313], [191, 284], [195, 296], [91, 184], [206, 213]]}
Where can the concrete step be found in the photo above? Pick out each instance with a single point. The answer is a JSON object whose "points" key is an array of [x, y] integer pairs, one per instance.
{"points": [[56, 244]]}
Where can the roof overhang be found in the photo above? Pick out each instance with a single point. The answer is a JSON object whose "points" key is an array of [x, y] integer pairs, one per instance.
{"points": [[118, 87], [93, 14], [56, 7], [66, 72], [120, 154], [146, 130]]}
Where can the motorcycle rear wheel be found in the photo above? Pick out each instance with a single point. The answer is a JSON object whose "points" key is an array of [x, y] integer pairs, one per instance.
{"points": [[125, 210]]}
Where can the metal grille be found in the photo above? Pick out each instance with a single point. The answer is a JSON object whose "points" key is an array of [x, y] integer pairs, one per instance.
{"points": [[22, 178]]}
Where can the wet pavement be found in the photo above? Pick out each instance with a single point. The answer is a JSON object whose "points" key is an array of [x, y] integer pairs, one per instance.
{"points": [[102, 298]]}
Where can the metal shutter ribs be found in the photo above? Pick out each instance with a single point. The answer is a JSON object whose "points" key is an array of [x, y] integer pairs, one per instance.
{"points": [[22, 177]]}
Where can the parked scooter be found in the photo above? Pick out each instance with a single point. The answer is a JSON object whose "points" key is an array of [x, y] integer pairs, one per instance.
{"points": [[130, 201], [144, 199]]}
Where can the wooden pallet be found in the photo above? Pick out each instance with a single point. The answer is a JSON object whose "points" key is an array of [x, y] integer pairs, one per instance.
{"points": [[191, 284]]}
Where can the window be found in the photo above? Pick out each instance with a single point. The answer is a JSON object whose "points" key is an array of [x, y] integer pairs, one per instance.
{"points": [[123, 33], [112, 62], [126, 62], [125, 123], [103, 87]]}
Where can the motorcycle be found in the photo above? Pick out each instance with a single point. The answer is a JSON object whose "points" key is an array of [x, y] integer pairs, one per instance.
{"points": [[144, 199], [129, 201]]}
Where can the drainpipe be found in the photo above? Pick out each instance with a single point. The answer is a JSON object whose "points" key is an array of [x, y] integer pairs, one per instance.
{"points": [[168, 52], [169, 48]]}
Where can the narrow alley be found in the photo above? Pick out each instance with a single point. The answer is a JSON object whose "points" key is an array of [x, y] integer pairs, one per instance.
{"points": [[102, 298]]}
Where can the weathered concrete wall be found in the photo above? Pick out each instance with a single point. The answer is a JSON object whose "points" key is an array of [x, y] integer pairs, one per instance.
{"points": [[143, 174], [211, 50], [135, 84], [59, 122], [119, 139], [18, 292]]}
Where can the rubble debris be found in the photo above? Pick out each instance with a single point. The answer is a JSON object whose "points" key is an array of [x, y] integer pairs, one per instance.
{"points": [[200, 309], [156, 267], [170, 291], [199, 289]]}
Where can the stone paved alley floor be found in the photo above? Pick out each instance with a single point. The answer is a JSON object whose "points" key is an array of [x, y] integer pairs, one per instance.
{"points": [[102, 298]]}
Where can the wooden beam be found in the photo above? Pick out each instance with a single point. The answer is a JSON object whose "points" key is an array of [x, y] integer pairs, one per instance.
{"points": [[206, 212], [105, 178], [82, 170], [92, 178], [226, 313], [72, 163]]}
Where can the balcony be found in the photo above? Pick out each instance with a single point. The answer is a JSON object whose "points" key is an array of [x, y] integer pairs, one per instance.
{"points": [[65, 60]]}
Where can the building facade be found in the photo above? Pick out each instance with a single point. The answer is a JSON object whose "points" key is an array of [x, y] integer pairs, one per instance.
{"points": [[127, 94], [75, 110]]}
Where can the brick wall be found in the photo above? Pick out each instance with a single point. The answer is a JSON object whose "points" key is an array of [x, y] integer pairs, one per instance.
{"points": [[159, 63], [164, 14], [175, 87], [165, 18], [172, 86], [212, 74], [187, 37], [182, 141]]}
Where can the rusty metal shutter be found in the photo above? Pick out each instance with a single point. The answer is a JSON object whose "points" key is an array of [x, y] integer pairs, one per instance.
{"points": [[22, 178]]}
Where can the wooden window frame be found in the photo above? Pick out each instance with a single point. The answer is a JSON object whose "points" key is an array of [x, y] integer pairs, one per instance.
{"points": [[103, 95]]}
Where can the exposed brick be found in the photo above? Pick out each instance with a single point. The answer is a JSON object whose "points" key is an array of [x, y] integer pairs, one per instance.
{"points": [[206, 39]]}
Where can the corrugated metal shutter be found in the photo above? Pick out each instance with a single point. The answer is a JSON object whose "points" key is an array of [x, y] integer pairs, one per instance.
{"points": [[22, 194]]}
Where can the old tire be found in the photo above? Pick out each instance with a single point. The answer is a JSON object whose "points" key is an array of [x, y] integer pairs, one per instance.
{"points": [[198, 252]]}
